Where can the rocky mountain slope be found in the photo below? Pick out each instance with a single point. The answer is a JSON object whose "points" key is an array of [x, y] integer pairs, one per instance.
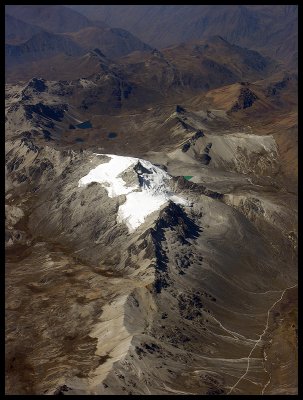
{"points": [[41, 45], [192, 68], [200, 65], [33, 47], [21, 58], [194, 295], [151, 203], [17, 31], [273, 30]]}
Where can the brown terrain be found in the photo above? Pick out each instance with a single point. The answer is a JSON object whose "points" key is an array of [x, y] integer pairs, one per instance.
{"points": [[273, 31], [199, 298]]}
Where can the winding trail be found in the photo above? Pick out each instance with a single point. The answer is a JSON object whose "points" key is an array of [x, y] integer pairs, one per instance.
{"points": [[235, 335], [268, 382], [258, 341]]}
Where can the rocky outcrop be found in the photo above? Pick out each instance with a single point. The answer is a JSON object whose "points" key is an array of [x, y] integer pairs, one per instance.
{"points": [[274, 89], [55, 113], [174, 218], [245, 100], [190, 187], [192, 141], [38, 85]]}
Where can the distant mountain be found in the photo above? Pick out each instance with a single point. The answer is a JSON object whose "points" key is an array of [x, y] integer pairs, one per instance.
{"points": [[112, 42], [65, 34], [17, 31], [242, 62], [270, 29], [62, 67], [53, 18], [201, 65], [40, 46]]}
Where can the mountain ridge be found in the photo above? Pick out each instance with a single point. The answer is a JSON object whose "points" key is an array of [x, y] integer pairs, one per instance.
{"points": [[249, 26], [151, 204]]}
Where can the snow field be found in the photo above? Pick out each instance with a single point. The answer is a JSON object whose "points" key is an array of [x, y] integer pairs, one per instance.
{"points": [[141, 200]]}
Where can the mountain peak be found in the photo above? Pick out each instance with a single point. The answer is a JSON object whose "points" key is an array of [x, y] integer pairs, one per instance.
{"points": [[145, 186]]}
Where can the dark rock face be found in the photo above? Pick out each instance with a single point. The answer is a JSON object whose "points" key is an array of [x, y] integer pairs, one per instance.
{"points": [[190, 306], [140, 169], [47, 135], [184, 125], [174, 218], [186, 185], [274, 89], [99, 52], [54, 112], [245, 100], [185, 147], [60, 390], [207, 148], [38, 85], [192, 140], [198, 134], [204, 159], [15, 163], [179, 109], [162, 166], [248, 98], [29, 144]]}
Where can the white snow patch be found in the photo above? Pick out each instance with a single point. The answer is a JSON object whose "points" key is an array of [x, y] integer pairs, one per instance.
{"points": [[147, 196], [137, 207], [107, 175]]}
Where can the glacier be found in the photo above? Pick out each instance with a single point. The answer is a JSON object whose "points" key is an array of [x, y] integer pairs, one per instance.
{"points": [[150, 193]]}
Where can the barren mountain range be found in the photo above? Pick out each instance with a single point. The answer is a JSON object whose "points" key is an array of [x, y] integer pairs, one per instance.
{"points": [[272, 30], [151, 200]]}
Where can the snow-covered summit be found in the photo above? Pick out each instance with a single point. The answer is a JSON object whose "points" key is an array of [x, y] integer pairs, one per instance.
{"points": [[147, 194]]}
